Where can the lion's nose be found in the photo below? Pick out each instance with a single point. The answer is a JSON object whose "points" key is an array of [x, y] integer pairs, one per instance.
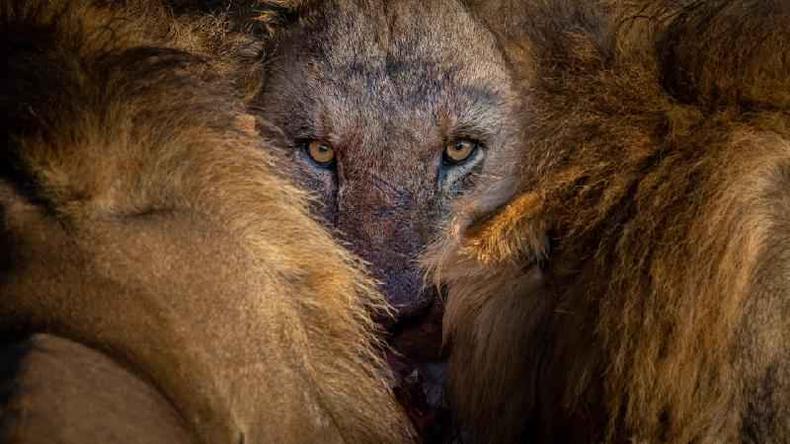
{"points": [[405, 291]]}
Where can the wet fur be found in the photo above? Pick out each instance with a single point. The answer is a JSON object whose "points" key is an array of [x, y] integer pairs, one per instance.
{"points": [[656, 165], [143, 217]]}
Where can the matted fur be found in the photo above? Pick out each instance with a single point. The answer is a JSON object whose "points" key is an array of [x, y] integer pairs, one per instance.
{"points": [[142, 217], [656, 162]]}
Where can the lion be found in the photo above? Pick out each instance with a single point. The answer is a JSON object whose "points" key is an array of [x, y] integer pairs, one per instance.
{"points": [[388, 113], [631, 283], [147, 233]]}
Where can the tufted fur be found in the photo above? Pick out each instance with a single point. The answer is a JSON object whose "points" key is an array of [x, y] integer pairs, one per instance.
{"points": [[143, 218], [634, 283]]}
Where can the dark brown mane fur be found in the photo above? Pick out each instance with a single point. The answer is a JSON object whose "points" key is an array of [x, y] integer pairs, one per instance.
{"points": [[657, 166]]}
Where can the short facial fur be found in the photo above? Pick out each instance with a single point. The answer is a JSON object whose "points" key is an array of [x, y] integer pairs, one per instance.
{"points": [[388, 85]]}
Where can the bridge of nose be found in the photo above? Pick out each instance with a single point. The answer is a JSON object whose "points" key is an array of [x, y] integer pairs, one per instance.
{"points": [[383, 221]]}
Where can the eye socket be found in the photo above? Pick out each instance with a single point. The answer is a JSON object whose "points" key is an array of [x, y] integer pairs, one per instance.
{"points": [[320, 152], [459, 151]]}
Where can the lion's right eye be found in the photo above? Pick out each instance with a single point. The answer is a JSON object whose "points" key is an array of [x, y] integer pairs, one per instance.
{"points": [[320, 152], [459, 151]]}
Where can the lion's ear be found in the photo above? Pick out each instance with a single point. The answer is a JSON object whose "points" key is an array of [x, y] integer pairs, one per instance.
{"points": [[271, 16], [260, 19]]}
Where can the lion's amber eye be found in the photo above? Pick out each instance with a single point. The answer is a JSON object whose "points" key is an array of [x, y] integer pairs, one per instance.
{"points": [[321, 153], [459, 151]]}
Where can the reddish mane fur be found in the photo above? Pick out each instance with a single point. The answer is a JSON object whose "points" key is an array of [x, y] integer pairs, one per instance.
{"points": [[657, 165]]}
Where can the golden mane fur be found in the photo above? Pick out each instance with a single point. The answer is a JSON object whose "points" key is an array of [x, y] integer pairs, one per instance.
{"points": [[143, 217]]}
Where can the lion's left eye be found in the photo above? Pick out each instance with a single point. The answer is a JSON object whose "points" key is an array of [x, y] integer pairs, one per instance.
{"points": [[321, 153], [459, 151]]}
